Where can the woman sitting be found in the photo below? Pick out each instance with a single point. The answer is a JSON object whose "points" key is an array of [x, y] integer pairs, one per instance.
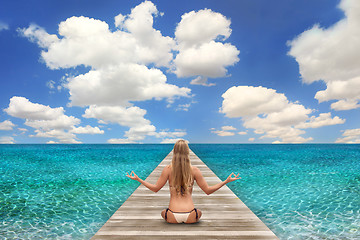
{"points": [[181, 176]]}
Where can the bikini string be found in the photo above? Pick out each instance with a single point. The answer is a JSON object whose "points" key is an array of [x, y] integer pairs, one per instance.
{"points": [[166, 213]]}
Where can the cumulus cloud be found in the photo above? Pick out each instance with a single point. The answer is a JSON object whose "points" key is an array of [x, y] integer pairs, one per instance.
{"points": [[48, 122], [153, 46], [138, 42], [21, 107], [166, 134], [132, 117], [118, 59], [210, 24], [324, 119], [200, 80], [228, 128], [333, 56], [124, 64], [207, 60], [117, 85], [272, 114], [6, 125], [87, 130], [350, 136], [250, 101], [225, 131], [60, 134], [7, 140], [203, 55], [38, 35]]}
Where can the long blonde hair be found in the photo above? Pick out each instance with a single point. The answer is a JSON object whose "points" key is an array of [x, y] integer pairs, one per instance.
{"points": [[181, 167]]}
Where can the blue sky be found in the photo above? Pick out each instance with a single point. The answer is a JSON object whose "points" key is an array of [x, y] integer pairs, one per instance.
{"points": [[249, 71]]}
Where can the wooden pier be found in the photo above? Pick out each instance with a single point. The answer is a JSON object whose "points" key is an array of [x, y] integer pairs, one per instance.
{"points": [[225, 216]]}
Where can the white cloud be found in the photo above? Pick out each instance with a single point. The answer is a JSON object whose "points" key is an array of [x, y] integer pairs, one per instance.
{"points": [[87, 130], [61, 135], [87, 41], [207, 60], [132, 117], [21, 107], [138, 133], [48, 122], [6, 140], [200, 27], [251, 139], [6, 125], [200, 52], [167, 134], [170, 140], [225, 131], [38, 35], [250, 101], [200, 80], [242, 133], [183, 107], [271, 114], [332, 55], [129, 117], [154, 47], [23, 130], [119, 141], [345, 104], [324, 119], [350, 136], [119, 20], [117, 85], [228, 128], [62, 122], [3, 26], [124, 63]]}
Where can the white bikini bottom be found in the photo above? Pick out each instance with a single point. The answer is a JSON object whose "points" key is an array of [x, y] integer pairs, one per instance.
{"points": [[181, 217]]}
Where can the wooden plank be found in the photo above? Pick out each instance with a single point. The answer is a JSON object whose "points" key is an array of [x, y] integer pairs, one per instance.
{"points": [[225, 216]]}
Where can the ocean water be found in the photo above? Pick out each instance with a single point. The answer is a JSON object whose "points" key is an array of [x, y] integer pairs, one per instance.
{"points": [[67, 191], [309, 191]]}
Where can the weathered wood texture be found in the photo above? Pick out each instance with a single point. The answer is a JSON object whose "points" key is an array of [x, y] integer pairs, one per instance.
{"points": [[225, 216]]}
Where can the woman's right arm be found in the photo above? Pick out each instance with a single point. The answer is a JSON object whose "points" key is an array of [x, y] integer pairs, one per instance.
{"points": [[153, 187], [200, 180]]}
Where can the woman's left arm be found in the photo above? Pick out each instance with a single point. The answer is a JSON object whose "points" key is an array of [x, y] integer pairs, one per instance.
{"points": [[153, 187]]}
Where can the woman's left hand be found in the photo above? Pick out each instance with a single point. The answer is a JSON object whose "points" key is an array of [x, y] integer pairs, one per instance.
{"points": [[232, 177], [133, 176]]}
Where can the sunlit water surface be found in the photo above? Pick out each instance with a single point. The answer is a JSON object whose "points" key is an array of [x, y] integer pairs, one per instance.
{"points": [[309, 191]]}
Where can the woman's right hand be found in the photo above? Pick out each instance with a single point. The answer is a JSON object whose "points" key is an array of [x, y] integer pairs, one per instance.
{"points": [[232, 177], [133, 176]]}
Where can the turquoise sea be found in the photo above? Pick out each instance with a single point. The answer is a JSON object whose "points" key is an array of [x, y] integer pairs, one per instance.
{"points": [[309, 191]]}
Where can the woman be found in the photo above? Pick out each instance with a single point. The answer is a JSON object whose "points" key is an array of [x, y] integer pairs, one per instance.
{"points": [[181, 176]]}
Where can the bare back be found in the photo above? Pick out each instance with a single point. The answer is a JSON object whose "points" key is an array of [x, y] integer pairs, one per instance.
{"points": [[179, 202]]}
